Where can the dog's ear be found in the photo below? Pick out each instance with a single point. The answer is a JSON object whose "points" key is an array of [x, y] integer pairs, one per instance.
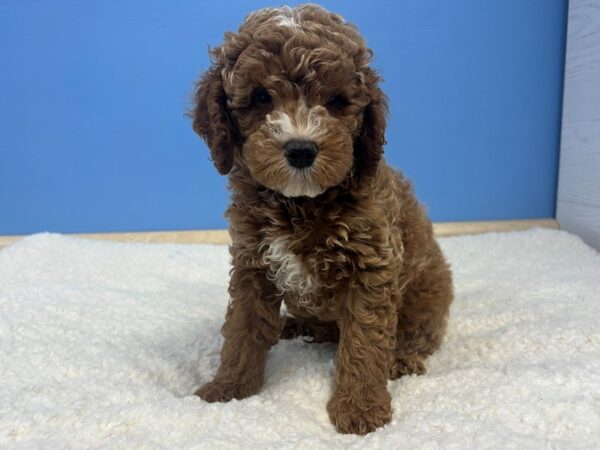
{"points": [[368, 147], [211, 119]]}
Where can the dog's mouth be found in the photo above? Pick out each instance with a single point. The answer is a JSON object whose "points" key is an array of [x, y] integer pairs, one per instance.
{"points": [[301, 183]]}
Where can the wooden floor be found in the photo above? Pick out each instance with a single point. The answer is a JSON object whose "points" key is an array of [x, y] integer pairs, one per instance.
{"points": [[222, 236]]}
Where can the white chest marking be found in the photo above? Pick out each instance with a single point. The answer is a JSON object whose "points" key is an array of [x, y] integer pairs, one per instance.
{"points": [[286, 269]]}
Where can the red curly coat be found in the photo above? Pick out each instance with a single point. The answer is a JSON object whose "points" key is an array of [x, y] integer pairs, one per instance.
{"points": [[343, 242]]}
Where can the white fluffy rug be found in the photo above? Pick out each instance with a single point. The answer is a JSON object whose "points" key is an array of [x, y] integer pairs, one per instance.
{"points": [[101, 345]]}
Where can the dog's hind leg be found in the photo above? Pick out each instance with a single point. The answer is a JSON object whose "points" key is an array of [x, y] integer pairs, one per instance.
{"points": [[422, 320], [313, 329]]}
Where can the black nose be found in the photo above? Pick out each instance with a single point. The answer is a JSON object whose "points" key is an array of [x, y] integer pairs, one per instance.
{"points": [[300, 154]]}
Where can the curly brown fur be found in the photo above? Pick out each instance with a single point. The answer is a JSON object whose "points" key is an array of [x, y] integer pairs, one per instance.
{"points": [[343, 242]]}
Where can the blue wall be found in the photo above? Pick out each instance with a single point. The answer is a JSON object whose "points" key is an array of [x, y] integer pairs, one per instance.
{"points": [[93, 136]]}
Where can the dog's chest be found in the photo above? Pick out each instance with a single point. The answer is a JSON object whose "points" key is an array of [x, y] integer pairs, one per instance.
{"points": [[289, 271]]}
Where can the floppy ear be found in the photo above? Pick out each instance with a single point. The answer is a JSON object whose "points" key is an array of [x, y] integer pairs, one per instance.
{"points": [[212, 121], [368, 147]]}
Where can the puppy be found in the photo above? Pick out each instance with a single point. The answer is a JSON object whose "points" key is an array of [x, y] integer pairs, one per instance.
{"points": [[292, 112]]}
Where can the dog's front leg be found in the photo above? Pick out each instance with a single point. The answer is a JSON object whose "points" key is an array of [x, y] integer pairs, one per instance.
{"points": [[360, 402], [252, 326]]}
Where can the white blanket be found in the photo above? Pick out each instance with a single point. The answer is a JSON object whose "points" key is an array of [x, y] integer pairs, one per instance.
{"points": [[101, 345]]}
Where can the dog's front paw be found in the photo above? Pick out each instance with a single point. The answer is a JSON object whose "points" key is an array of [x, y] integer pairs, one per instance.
{"points": [[359, 416], [221, 391]]}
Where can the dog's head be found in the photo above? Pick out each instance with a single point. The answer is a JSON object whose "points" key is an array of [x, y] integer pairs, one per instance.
{"points": [[292, 98]]}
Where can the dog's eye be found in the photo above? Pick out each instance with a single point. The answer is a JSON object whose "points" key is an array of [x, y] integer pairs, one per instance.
{"points": [[261, 97], [337, 102]]}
